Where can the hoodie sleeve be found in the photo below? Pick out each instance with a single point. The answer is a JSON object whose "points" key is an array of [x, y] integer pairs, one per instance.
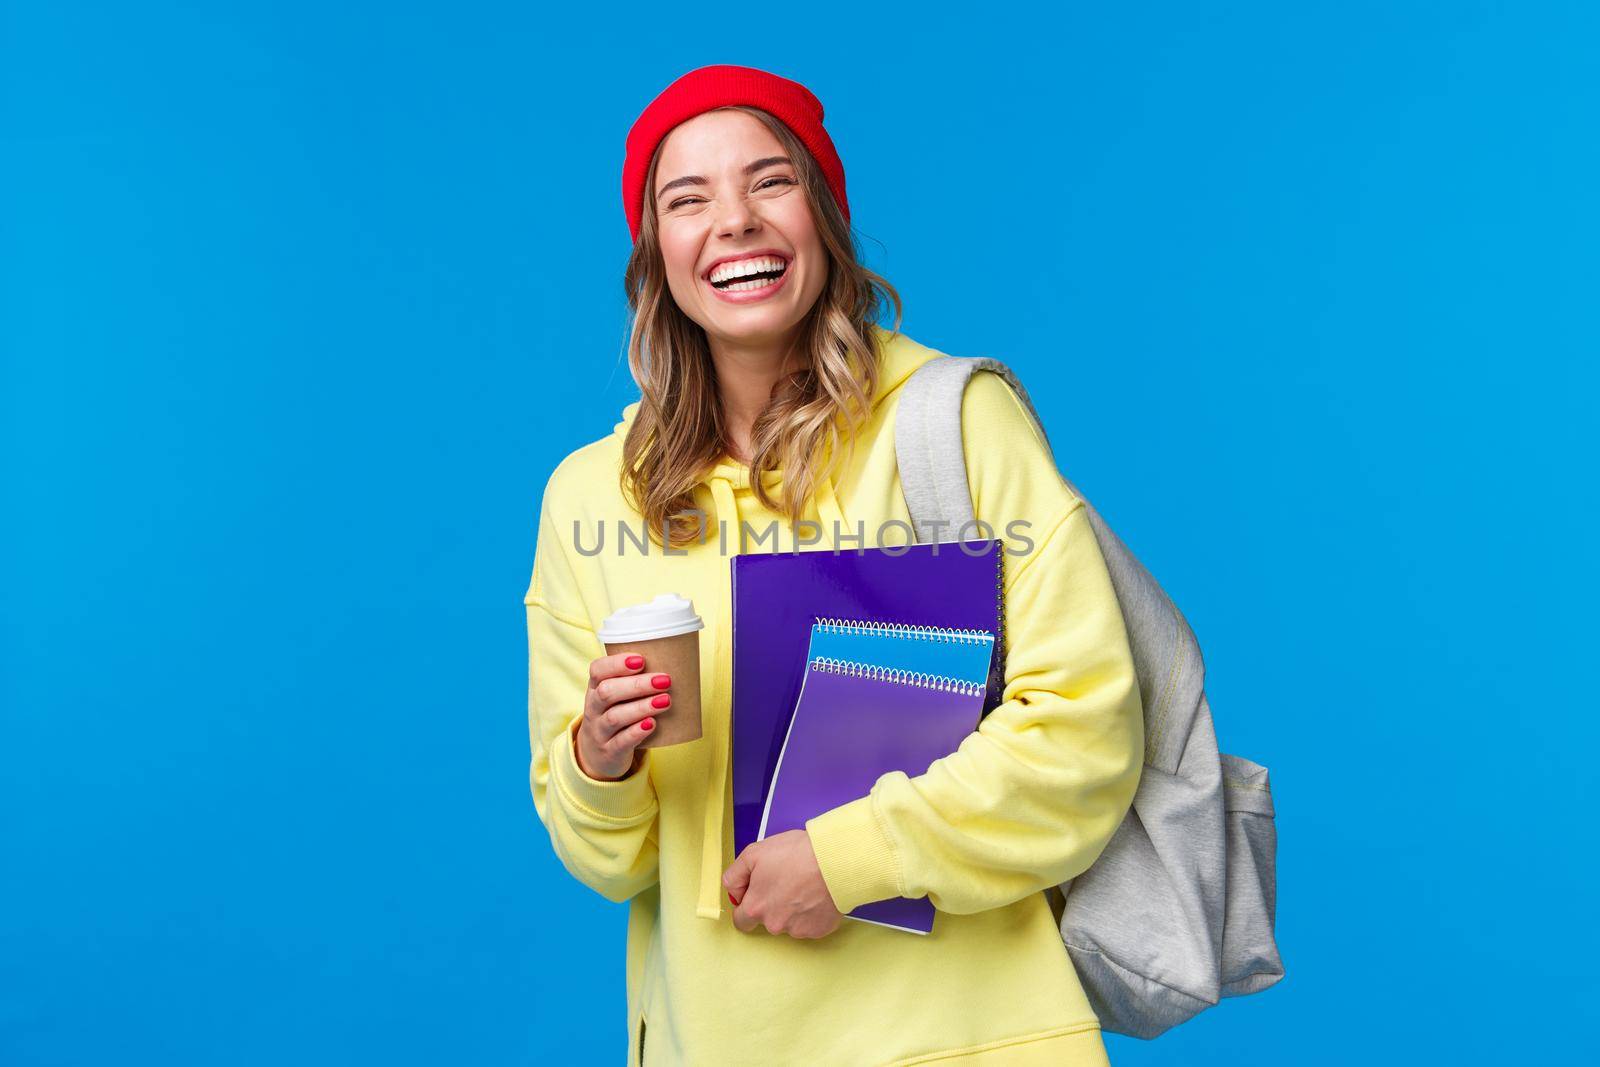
{"points": [[1032, 796], [604, 832]]}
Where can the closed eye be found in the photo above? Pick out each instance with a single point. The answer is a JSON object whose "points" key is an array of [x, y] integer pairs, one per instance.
{"points": [[762, 185]]}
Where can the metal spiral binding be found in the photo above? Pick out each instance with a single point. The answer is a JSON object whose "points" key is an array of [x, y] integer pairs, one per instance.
{"points": [[944, 683], [997, 674], [948, 634]]}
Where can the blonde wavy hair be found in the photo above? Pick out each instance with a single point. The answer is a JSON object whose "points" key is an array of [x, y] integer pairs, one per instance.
{"points": [[680, 432]]}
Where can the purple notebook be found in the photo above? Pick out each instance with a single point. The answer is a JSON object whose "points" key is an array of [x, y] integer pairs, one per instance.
{"points": [[777, 597], [890, 699]]}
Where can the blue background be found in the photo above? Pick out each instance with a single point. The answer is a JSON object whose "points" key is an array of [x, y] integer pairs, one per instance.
{"points": [[301, 303]]}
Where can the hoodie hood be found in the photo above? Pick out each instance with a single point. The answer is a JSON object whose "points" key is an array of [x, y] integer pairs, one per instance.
{"points": [[898, 357]]}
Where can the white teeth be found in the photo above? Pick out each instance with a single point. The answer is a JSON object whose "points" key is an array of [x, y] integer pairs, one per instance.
{"points": [[739, 287], [744, 267]]}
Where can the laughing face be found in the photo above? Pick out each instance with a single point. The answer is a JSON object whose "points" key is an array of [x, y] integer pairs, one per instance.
{"points": [[740, 246]]}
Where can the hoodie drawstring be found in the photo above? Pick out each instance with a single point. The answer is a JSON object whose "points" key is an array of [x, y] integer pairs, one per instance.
{"points": [[711, 865], [722, 484]]}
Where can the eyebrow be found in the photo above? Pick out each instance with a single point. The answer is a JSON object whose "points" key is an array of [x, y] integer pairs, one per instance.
{"points": [[749, 168]]}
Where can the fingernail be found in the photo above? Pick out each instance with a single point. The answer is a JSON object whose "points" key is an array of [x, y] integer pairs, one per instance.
{"points": [[735, 903], [660, 701], [634, 662], [661, 681], [648, 724]]}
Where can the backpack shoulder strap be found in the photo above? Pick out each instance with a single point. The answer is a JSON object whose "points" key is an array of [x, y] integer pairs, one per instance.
{"points": [[927, 442]]}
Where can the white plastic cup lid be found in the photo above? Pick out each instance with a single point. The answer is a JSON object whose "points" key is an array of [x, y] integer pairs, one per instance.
{"points": [[668, 615]]}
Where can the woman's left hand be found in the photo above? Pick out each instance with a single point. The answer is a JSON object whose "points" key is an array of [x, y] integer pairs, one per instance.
{"points": [[776, 883]]}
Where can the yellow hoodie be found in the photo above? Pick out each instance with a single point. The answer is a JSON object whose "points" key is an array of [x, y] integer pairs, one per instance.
{"points": [[1028, 800]]}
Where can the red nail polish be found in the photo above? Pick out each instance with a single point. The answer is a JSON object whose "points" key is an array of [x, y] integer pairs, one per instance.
{"points": [[634, 662], [648, 724], [660, 701], [735, 903], [661, 681]]}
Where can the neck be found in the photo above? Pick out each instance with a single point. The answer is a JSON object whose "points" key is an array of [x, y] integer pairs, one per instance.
{"points": [[747, 371]]}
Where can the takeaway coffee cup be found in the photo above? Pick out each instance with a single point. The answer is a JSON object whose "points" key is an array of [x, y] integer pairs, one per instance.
{"points": [[666, 632]]}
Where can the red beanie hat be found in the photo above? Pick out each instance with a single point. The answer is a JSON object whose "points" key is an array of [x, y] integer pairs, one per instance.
{"points": [[716, 86]]}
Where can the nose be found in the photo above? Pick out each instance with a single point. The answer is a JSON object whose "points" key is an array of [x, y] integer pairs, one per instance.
{"points": [[735, 217]]}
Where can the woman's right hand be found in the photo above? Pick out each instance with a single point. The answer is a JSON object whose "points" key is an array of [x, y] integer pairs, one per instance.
{"points": [[618, 713]]}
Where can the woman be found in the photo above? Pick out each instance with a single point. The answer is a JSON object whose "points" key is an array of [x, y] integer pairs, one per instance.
{"points": [[767, 406]]}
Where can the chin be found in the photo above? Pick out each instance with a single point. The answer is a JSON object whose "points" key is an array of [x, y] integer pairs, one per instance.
{"points": [[753, 333]]}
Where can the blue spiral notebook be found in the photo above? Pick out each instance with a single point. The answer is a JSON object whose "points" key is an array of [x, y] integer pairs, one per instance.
{"points": [[875, 698]]}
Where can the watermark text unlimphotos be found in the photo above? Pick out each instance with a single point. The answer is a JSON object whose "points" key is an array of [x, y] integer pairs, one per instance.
{"points": [[624, 537]]}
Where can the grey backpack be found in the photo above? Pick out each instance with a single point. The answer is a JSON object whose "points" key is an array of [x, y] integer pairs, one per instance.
{"points": [[1178, 911]]}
